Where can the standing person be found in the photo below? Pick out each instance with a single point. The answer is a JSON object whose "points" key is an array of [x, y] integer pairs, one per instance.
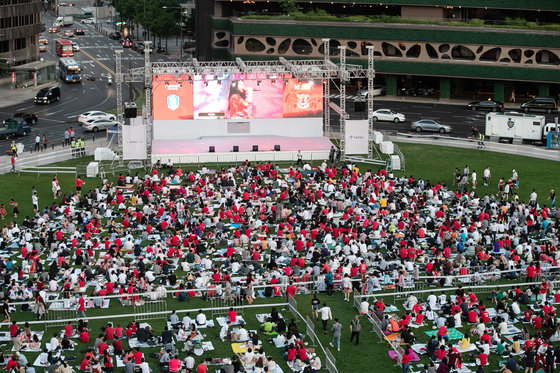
{"points": [[15, 207], [473, 179], [336, 331], [331, 154], [456, 176], [299, 158], [486, 176], [35, 202], [552, 198], [515, 179], [533, 198], [79, 183], [329, 282], [315, 306], [37, 143], [13, 162], [355, 328], [45, 141], [81, 307], [405, 362], [55, 187], [6, 310], [512, 97], [13, 147], [326, 314], [2, 211], [66, 137], [72, 133]]}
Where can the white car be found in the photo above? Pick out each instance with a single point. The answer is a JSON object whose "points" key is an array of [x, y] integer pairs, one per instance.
{"points": [[89, 20], [387, 115], [89, 115], [378, 90], [75, 47], [95, 125]]}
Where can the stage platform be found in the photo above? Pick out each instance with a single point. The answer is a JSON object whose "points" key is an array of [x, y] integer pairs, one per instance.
{"points": [[197, 150]]}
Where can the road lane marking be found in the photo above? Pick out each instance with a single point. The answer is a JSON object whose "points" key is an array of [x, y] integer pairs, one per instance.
{"points": [[99, 62]]}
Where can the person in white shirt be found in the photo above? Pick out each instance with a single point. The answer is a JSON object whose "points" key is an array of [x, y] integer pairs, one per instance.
{"points": [[187, 321], [201, 318], [189, 362], [224, 331], [144, 367], [54, 344], [326, 314], [432, 301]]}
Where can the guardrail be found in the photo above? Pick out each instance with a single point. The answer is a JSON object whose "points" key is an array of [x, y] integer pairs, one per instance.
{"points": [[49, 170]]}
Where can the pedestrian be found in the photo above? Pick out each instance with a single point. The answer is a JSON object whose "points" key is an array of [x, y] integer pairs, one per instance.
{"points": [[512, 97], [405, 361], [55, 187], [45, 141], [456, 176], [13, 147], [355, 328], [533, 198], [336, 331], [15, 207], [6, 310], [2, 211], [326, 314], [486, 175], [331, 154], [66, 137], [13, 162], [329, 282], [299, 158], [552, 197], [35, 202], [79, 184], [473, 179], [37, 143], [81, 307], [315, 306]]}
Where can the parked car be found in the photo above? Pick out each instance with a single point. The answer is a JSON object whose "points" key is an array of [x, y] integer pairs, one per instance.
{"points": [[47, 95], [115, 35], [138, 47], [89, 20], [540, 103], [378, 90], [75, 47], [486, 105], [28, 117], [43, 39], [418, 91], [42, 47], [95, 125], [79, 31], [92, 115], [387, 115], [430, 125]]}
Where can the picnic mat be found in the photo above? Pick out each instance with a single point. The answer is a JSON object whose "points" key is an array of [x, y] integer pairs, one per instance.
{"points": [[451, 333], [419, 348], [392, 337], [133, 343], [512, 329], [239, 348], [261, 317], [413, 355], [222, 320]]}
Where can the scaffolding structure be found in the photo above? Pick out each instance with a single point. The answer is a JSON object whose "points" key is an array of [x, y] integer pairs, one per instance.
{"points": [[325, 70]]}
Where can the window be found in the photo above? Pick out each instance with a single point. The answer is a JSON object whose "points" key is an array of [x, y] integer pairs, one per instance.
{"points": [[19, 44], [536, 123], [5, 22], [4, 46]]}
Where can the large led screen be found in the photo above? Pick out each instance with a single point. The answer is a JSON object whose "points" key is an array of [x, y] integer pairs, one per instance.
{"points": [[172, 97], [235, 96]]}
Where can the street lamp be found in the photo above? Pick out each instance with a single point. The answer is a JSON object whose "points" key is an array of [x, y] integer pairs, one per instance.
{"points": [[182, 41]]}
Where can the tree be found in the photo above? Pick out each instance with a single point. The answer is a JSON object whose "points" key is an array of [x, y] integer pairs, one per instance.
{"points": [[289, 6]]}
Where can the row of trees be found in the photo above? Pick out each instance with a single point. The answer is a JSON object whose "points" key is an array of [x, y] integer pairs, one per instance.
{"points": [[161, 19]]}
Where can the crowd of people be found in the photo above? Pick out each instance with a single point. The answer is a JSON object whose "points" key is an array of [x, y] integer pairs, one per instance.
{"points": [[257, 230]]}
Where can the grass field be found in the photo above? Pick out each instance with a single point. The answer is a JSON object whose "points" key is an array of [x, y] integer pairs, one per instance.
{"points": [[428, 162]]}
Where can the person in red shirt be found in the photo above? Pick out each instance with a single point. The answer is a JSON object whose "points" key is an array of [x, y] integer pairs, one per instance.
{"points": [[290, 290], [138, 356], [232, 315], [69, 330], [202, 368], [102, 346], [79, 184], [12, 365], [174, 364], [81, 307]]}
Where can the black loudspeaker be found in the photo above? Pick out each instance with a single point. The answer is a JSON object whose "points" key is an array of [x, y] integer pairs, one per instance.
{"points": [[255, 148], [130, 110], [211, 149], [359, 106], [235, 149], [276, 148]]}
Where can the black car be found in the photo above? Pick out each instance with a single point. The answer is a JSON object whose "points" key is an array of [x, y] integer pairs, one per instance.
{"points": [[115, 35], [79, 31], [28, 117], [486, 105], [47, 95], [418, 91], [540, 103], [138, 47]]}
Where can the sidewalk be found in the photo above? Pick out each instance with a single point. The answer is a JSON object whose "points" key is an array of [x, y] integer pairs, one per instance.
{"points": [[437, 101], [13, 96]]}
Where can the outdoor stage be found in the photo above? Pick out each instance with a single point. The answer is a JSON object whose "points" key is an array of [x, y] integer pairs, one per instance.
{"points": [[197, 150]]}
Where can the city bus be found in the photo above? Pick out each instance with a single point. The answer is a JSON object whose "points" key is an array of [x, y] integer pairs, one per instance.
{"points": [[69, 70], [64, 48]]}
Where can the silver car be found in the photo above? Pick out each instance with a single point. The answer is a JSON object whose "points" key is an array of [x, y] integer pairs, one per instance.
{"points": [[387, 115], [430, 125], [95, 125]]}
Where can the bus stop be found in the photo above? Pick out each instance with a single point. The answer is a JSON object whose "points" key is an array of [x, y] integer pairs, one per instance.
{"points": [[33, 74]]}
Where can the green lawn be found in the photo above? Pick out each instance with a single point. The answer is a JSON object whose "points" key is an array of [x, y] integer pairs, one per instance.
{"points": [[429, 162]]}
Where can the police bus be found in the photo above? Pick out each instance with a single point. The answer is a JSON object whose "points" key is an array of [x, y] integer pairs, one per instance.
{"points": [[70, 70]]}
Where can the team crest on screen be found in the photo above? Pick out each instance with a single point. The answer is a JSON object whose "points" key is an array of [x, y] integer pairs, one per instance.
{"points": [[303, 101], [173, 102]]}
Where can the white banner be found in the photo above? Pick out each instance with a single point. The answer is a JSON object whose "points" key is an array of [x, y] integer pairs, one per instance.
{"points": [[134, 140], [356, 138]]}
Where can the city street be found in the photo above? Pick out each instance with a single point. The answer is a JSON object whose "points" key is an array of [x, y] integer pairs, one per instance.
{"points": [[97, 58]]}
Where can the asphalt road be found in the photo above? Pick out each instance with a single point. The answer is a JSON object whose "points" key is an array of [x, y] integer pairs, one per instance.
{"points": [[97, 57]]}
